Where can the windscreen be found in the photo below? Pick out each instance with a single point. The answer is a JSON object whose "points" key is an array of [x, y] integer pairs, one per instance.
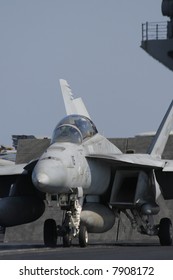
{"points": [[74, 128], [85, 125], [67, 133]]}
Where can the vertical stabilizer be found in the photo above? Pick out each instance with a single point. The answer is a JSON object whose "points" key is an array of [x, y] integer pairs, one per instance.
{"points": [[72, 105], [159, 142]]}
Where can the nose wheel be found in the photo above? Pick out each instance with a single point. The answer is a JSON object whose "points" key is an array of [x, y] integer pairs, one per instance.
{"points": [[50, 233], [67, 240], [83, 236], [71, 227]]}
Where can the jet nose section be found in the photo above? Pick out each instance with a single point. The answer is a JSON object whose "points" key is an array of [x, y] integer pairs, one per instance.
{"points": [[49, 176], [41, 179]]}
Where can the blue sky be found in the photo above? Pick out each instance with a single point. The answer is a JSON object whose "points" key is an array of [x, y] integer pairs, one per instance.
{"points": [[95, 46]]}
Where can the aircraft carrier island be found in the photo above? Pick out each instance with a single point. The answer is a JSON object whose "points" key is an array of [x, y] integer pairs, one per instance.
{"points": [[157, 37]]}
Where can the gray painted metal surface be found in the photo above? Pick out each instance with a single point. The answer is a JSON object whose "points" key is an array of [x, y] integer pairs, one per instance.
{"points": [[157, 37], [122, 229]]}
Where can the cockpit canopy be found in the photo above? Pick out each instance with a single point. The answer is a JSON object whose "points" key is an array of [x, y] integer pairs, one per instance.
{"points": [[74, 129]]}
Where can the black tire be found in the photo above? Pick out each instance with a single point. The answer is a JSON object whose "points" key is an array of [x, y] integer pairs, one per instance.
{"points": [[83, 236], [165, 232], [67, 240], [50, 233]]}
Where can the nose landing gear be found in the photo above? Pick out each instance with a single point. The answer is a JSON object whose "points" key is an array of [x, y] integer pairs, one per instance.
{"points": [[83, 236], [71, 226]]}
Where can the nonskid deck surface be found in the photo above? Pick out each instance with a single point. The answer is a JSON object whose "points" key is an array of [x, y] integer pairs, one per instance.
{"points": [[99, 251]]}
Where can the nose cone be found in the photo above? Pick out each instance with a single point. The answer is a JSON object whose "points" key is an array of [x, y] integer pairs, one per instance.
{"points": [[41, 179], [49, 176]]}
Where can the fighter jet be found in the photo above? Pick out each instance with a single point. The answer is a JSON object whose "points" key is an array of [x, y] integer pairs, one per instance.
{"points": [[7, 155], [92, 180]]}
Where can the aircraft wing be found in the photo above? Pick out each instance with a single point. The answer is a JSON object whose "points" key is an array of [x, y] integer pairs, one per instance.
{"points": [[130, 160], [11, 169], [168, 166], [152, 159], [4, 162]]}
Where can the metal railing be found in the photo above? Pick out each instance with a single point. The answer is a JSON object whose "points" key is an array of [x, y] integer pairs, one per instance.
{"points": [[154, 31]]}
